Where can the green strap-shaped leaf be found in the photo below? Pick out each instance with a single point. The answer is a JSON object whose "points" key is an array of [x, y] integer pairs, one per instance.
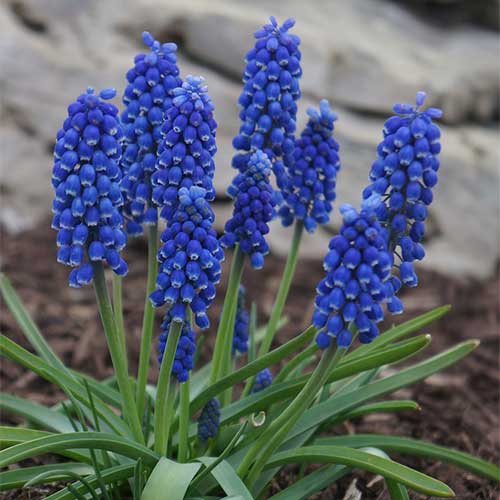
{"points": [[379, 407], [312, 483], [402, 330], [396, 490], [252, 368], [419, 448], [91, 440], [18, 477], [226, 476], [27, 325], [10, 436], [170, 479], [35, 413], [366, 461], [279, 392], [337, 405], [37, 365], [111, 475]]}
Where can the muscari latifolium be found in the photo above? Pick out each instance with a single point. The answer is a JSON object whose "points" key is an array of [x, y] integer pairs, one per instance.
{"points": [[228, 410]]}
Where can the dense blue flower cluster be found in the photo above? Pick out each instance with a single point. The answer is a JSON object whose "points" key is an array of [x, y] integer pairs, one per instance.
{"points": [[190, 257], [253, 209], [186, 347], [148, 95], [86, 179], [209, 420], [241, 324], [405, 173], [358, 279], [312, 175], [185, 157], [271, 87], [262, 380]]}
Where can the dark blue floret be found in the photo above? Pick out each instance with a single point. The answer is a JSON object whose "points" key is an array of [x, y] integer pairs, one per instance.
{"points": [[185, 156], [253, 209], [358, 279], [184, 354], [190, 257], [405, 173], [268, 101], [148, 95], [262, 380], [209, 420], [312, 175], [241, 325], [86, 177]]}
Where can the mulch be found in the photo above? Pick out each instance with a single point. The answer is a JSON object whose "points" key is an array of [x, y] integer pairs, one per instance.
{"points": [[460, 407]]}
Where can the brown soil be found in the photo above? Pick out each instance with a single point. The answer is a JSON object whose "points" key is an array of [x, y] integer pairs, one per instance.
{"points": [[460, 407]]}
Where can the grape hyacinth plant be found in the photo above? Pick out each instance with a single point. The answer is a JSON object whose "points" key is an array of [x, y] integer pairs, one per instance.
{"points": [[216, 423]]}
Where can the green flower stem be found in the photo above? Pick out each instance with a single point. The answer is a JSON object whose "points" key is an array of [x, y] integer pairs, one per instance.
{"points": [[286, 281], [148, 321], [118, 309], [295, 362], [222, 347], [164, 390], [279, 302], [184, 419], [273, 436], [118, 357]]}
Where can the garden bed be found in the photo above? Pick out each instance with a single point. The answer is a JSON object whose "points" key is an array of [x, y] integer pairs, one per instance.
{"points": [[460, 407]]}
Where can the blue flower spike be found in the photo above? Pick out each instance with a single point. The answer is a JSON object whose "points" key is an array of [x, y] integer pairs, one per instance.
{"points": [[209, 420], [186, 347], [149, 93], [312, 175], [263, 379], [405, 173], [241, 324], [253, 209], [190, 257], [268, 101], [86, 177], [358, 279], [185, 156]]}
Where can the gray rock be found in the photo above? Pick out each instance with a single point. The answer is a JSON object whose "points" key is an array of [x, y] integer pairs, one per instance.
{"points": [[365, 55], [362, 55]]}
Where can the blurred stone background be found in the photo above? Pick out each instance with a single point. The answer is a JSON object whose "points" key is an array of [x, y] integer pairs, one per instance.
{"points": [[363, 55]]}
